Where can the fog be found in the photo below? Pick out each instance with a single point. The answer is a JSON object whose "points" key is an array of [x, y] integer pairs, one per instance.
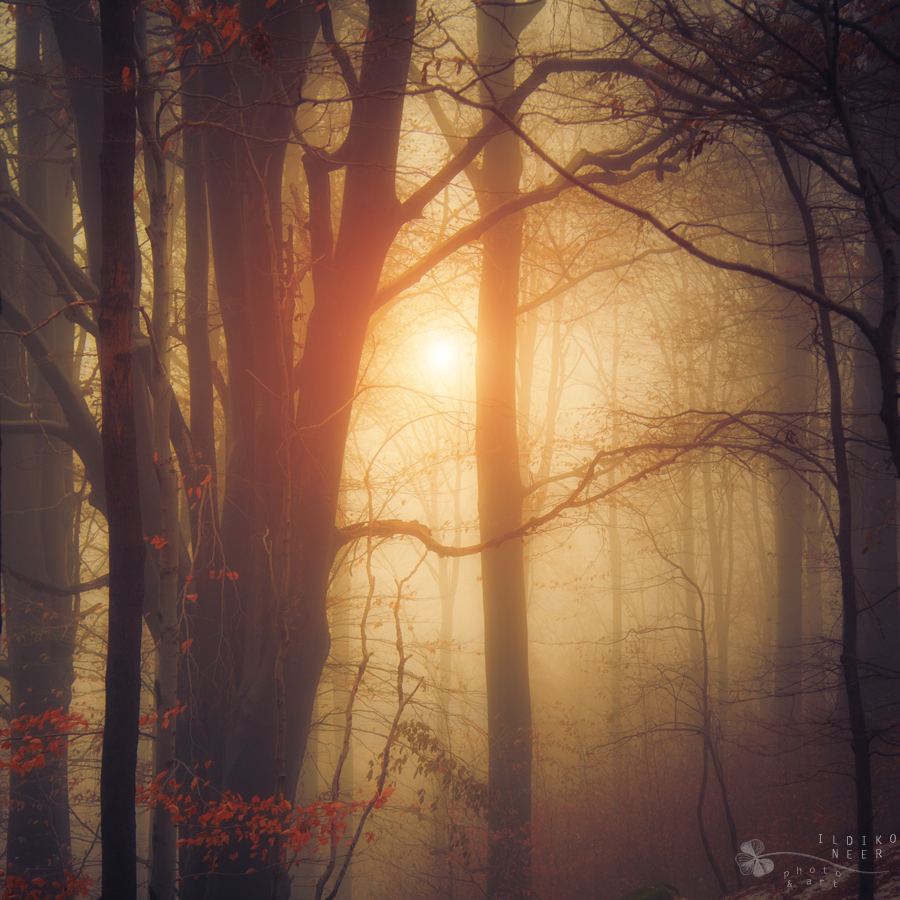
{"points": [[449, 452]]}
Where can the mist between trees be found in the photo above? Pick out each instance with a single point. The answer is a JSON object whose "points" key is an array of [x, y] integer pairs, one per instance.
{"points": [[448, 450]]}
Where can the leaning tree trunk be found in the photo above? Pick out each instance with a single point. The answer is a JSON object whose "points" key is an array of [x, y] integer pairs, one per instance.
{"points": [[267, 730]]}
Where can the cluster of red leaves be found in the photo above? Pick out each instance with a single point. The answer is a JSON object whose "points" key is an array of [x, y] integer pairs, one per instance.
{"points": [[18, 888], [199, 488], [220, 19], [31, 738], [222, 825], [168, 715]]}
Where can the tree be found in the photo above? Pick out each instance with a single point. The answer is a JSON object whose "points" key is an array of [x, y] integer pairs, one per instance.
{"points": [[123, 513], [38, 491], [820, 38], [314, 144], [500, 492]]}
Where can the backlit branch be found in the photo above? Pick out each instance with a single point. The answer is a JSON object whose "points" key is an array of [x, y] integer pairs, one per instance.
{"points": [[669, 231]]}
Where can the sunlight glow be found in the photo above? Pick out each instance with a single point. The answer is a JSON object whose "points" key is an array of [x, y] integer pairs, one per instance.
{"points": [[442, 355]]}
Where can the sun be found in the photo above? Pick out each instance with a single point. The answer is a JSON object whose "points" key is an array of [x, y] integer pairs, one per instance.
{"points": [[441, 355]]}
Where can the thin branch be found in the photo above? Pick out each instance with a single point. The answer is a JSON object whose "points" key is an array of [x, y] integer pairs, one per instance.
{"points": [[669, 231], [45, 588], [36, 426]]}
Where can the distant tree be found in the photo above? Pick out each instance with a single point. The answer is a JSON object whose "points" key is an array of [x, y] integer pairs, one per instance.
{"points": [[40, 545]]}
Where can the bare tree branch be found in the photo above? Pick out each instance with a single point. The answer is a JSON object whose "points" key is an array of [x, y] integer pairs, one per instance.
{"points": [[45, 588]]}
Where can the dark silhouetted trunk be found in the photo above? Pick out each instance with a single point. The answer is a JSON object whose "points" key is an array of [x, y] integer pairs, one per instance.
{"points": [[126, 542], [875, 533], [860, 736], [244, 195], [850, 667]]}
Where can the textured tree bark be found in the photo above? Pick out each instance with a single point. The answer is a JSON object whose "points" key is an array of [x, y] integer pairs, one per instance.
{"points": [[126, 543], [342, 745], [220, 620]]}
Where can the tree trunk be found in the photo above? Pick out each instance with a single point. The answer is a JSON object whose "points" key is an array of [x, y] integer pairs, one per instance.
{"points": [[162, 828], [860, 736], [875, 531], [500, 491], [38, 492], [196, 315], [793, 365], [244, 185], [713, 528], [126, 543], [79, 40]]}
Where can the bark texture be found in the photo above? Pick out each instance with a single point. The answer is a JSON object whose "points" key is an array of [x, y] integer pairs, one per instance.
{"points": [[126, 542]]}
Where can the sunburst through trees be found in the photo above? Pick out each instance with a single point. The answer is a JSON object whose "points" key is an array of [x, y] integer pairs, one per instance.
{"points": [[449, 450]]}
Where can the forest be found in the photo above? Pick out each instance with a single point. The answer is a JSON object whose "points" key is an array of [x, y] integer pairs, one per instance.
{"points": [[449, 450]]}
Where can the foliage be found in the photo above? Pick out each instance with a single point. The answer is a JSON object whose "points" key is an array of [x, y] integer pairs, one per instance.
{"points": [[217, 826], [18, 888], [31, 737]]}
